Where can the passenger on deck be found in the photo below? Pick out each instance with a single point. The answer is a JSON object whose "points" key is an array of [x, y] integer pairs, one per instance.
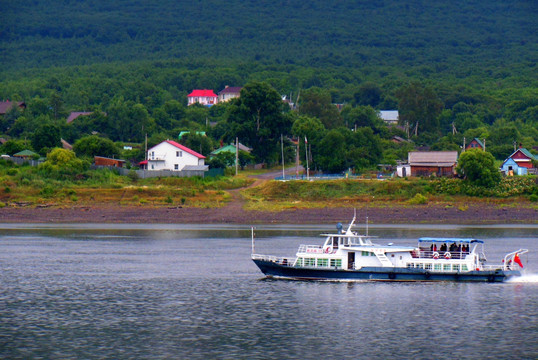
{"points": [[443, 247]]}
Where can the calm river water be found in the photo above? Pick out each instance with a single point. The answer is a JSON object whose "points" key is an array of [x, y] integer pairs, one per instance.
{"points": [[192, 292]]}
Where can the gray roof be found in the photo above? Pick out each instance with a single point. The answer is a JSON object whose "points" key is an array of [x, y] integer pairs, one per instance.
{"points": [[432, 158], [231, 90], [388, 115]]}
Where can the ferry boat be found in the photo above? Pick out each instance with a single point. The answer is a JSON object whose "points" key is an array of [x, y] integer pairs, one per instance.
{"points": [[348, 256]]}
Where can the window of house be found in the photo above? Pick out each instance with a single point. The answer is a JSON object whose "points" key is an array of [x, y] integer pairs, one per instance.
{"points": [[176, 167], [179, 154], [152, 166]]}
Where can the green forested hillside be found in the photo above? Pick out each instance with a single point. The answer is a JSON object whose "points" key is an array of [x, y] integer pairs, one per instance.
{"points": [[455, 36], [469, 65]]}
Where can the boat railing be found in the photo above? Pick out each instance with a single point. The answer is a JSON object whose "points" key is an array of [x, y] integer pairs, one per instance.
{"points": [[436, 254], [285, 261], [314, 249]]}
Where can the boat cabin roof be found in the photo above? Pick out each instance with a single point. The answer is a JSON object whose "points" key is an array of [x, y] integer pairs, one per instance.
{"points": [[347, 235], [444, 240]]}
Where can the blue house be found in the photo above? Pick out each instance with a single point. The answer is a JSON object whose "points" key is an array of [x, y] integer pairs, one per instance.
{"points": [[510, 167]]}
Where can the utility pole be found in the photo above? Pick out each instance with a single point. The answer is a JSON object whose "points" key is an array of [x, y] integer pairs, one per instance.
{"points": [[282, 146], [484, 144], [306, 155], [236, 154]]}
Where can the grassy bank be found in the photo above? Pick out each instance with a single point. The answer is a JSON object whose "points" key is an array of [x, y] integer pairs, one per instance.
{"points": [[29, 186], [276, 196]]}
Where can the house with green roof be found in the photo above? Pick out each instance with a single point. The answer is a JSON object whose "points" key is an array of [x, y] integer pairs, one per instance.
{"points": [[188, 132], [476, 144], [231, 149], [520, 163], [25, 154]]}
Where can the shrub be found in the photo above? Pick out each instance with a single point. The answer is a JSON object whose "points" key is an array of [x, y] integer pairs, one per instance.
{"points": [[418, 199], [533, 198]]}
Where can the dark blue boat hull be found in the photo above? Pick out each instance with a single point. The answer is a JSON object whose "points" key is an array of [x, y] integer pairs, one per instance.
{"points": [[273, 269]]}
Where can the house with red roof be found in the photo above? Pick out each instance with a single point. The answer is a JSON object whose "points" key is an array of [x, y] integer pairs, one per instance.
{"points": [[170, 155], [204, 97], [6, 105]]}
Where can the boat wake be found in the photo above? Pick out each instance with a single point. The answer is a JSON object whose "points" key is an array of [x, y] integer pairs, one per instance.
{"points": [[528, 278]]}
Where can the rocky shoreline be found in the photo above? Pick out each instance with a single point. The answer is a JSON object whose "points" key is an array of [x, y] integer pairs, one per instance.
{"points": [[233, 213]]}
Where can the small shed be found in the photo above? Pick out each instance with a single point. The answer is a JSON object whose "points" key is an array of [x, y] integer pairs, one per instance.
{"points": [[104, 161], [510, 168]]}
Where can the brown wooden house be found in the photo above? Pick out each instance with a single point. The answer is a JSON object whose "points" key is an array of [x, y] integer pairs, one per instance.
{"points": [[104, 161], [437, 163]]}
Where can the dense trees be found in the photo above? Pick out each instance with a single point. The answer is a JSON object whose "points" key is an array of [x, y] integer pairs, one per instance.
{"points": [[95, 146]]}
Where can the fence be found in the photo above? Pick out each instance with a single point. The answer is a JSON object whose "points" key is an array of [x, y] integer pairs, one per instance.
{"points": [[146, 174]]}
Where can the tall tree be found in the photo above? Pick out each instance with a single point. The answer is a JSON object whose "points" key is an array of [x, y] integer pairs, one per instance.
{"points": [[257, 118], [419, 107], [317, 102]]}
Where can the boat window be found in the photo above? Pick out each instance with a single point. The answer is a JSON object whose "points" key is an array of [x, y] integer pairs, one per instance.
{"points": [[437, 267], [428, 266], [446, 267], [309, 262], [409, 265], [323, 262], [335, 243], [299, 262], [336, 263], [464, 267], [455, 267]]}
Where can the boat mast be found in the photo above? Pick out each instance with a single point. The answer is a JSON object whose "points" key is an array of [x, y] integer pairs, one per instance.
{"points": [[352, 221], [252, 235]]}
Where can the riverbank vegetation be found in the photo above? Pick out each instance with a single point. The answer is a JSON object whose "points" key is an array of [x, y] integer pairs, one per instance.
{"points": [[39, 186]]}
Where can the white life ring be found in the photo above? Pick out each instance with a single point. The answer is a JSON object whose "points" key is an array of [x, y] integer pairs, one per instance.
{"points": [[448, 255], [436, 255]]}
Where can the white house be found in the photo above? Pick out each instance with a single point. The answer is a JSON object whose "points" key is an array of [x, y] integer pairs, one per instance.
{"points": [[390, 117], [170, 155], [204, 97]]}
